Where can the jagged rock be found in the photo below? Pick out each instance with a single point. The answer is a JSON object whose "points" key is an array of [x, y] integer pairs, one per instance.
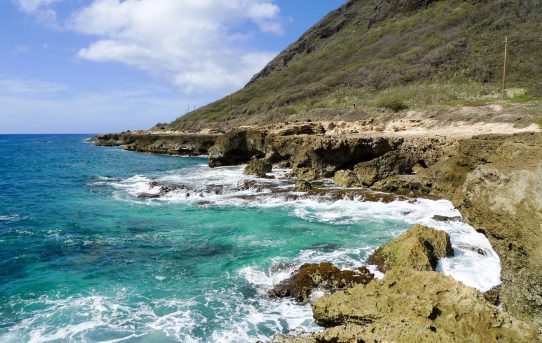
{"points": [[323, 276], [307, 173], [230, 149], [440, 218], [346, 178], [414, 306], [419, 248], [160, 143], [302, 186], [258, 167], [390, 164], [493, 296]]}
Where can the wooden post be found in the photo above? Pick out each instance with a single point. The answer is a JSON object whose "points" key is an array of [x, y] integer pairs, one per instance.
{"points": [[504, 68]]}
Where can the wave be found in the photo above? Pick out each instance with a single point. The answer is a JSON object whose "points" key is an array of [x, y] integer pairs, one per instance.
{"points": [[475, 262], [10, 218]]}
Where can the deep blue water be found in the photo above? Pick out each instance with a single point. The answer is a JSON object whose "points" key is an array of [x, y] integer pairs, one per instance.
{"points": [[84, 259]]}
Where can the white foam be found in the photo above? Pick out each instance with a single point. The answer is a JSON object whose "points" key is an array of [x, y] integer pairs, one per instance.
{"points": [[10, 218], [468, 266]]}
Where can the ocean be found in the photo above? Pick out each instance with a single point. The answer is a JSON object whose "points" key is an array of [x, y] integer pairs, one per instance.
{"points": [[85, 258]]}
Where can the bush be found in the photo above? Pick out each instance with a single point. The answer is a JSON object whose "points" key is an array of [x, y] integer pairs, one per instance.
{"points": [[393, 103]]}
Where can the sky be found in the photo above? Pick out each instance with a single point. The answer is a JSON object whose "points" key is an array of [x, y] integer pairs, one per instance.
{"points": [[94, 66]]}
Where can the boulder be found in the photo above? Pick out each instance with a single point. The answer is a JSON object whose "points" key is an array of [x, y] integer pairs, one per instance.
{"points": [[302, 186], [325, 276], [258, 167], [346, 178], [415, 306], [390, 164], [419, 248]]}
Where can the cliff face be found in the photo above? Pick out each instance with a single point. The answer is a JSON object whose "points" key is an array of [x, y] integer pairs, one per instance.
{"points": [[496, 182], [504, 198]]}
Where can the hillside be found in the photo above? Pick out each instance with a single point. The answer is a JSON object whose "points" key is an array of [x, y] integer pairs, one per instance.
{"points": [[384, 56]]}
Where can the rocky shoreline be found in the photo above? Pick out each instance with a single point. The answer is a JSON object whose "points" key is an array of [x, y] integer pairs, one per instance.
{"points": [[494, 180]]}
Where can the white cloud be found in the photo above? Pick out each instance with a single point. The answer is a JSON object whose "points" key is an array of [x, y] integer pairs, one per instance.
{"points": [[191, 43], [41, 9]]}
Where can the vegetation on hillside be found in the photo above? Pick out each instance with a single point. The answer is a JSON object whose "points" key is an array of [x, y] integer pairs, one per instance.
{"points": [[357, 59]]}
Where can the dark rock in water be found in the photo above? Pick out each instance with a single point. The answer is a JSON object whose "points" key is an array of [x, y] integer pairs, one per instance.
{"points": [[326, 276], [302, 186], [258, 167], [419, 248], [477, 250], [281, 266], [493, 296], [149, 195], [439, 218]]}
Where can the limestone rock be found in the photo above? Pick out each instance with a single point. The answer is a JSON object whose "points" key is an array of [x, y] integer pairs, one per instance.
{"points": [[390, 164], [419, 248], [324, 276], [346, 178], [302, 186], [258, 167], [414, 306]]}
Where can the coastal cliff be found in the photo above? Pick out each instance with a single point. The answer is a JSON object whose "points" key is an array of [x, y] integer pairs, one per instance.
{"points": [[494, 180], [401, 97]]}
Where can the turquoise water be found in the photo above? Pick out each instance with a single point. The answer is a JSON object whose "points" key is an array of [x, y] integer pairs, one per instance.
{"points": [[84, 259]]}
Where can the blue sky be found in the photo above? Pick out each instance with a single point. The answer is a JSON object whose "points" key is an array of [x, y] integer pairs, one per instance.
{"points": [[90, 66]]}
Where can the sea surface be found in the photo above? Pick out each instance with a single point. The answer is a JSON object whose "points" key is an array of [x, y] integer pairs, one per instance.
{"points": [[85, 258]]}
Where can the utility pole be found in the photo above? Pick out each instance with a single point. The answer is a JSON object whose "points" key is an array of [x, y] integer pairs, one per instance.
{"points": [[504, 67], [231, 105]]}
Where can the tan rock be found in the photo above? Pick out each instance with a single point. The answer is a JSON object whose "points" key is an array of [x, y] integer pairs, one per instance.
{"points": [[346, 178], [414, 306], [419, 248], [258, 167]]}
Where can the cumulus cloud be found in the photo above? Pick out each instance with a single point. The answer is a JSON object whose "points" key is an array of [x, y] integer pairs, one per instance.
{"points": [[191, 43]]}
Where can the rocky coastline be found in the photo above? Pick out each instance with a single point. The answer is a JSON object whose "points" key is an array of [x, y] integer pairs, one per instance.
{"points": [[495, 180]]}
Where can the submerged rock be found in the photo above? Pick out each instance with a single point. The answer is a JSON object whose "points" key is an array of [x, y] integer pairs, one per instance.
{"points": [[419, 248], [323, 276], [258, 167]]}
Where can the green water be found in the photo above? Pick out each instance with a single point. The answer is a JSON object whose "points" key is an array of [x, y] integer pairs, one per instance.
{"points": [[84, 259]]}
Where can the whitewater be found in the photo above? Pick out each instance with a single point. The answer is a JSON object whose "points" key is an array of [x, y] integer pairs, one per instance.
{"points": [[103, 245]]}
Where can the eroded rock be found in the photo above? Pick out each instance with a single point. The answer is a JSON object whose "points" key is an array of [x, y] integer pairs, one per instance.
{"points": [[302, 186], [414, 306], [346, 178], [419, 248], [258, 167], [324, 276]]}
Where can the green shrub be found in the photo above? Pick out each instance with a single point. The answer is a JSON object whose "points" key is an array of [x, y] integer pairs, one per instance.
{"points": [[391, 102]]}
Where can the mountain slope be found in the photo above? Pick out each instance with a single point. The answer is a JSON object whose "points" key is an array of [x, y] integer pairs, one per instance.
{"points": [[370, 55]]}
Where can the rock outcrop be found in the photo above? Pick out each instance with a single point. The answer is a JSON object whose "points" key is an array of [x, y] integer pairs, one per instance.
{"points": [[322, 276], [496, 183], [258, 167], [414, 306], [419, 248], [160, 143]]}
